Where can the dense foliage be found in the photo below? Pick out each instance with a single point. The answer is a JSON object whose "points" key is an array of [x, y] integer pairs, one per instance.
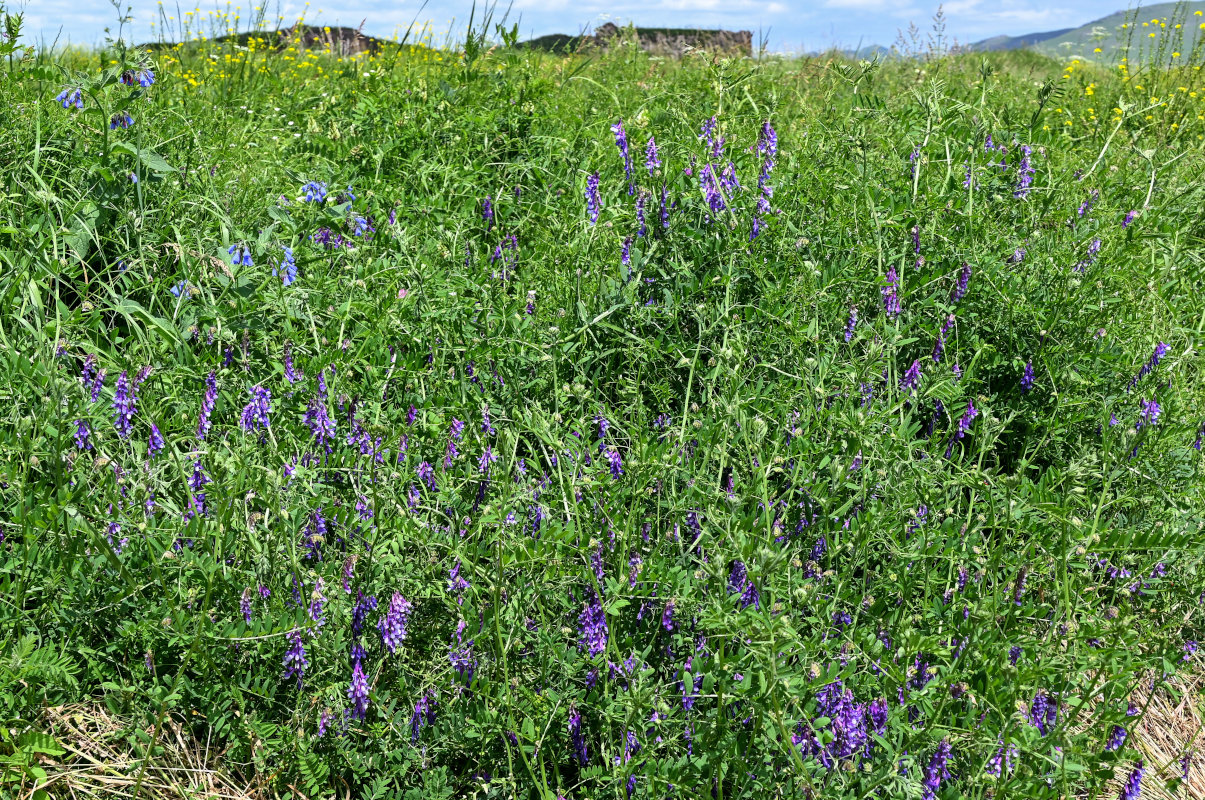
{"points": [[486, 423]]}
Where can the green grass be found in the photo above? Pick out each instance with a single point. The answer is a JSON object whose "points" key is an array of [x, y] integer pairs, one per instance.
{"points": [[888, 553]]}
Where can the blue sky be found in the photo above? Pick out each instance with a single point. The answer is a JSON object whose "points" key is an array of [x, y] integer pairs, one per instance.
{"points": [[792, 25]]}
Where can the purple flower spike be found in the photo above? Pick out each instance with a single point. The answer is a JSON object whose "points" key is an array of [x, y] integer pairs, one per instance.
{"points": [[651, 159], [936, 772], [621, 141], [891, 295], [593, 624], [964, 280], [393, 624], [255, 413], [593, 203], [295, 660], [357, 693], [1133, 788]]}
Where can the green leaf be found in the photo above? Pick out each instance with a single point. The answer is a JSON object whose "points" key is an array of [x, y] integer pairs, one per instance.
{"points": [[39, 742], [149, 158]]}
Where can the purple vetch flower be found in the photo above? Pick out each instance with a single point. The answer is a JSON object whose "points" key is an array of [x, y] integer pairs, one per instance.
{"points": [[1117, 738], [357, 693], [88, 370], [426, 474], [877, 712], [665, 204], [392, 624], [245, 605], [1043, 712], [1152, 362], [714, 143], [616, 463], [155, 443], [891, 296], [740, 583], [964, 425], [918, 521], [729, 181], [464, 663], [593, 624], [457, 584], [642, 228], [621, 141], [1133, 786], [1003, 761], [359, 613], [964, 280], [487, 213], [635, 565], [291, 374], [317, 606], [295, 661], [711, 189], [1090, 257], [208, 400], [1129, 219], [767, 141], [1149, 413], [968, 180], [1027, 377], [423, 715], [506, 252], [125, 405], [1014, 655], [853, 323], [115, 539], [667, 616], [593, 203], [1025, 173], [255, 413], [83, 436], [577, 739], [936, 772], [625, 254], [631, 746], [911, 379], [651, 159], [98, 384], [488, 457], [1018, 255], [319, 422], [1086, 206]]}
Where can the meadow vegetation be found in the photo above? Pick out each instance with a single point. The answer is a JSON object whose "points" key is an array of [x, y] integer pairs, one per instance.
{"points": [[467, 421]]}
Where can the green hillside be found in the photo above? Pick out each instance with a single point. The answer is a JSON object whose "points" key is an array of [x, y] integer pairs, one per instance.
{"points": [[1149, 32]]}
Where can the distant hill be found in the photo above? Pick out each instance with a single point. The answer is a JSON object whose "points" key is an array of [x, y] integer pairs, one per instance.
{"points": [[1107, 34], [660, 41], [1018, 42]]}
